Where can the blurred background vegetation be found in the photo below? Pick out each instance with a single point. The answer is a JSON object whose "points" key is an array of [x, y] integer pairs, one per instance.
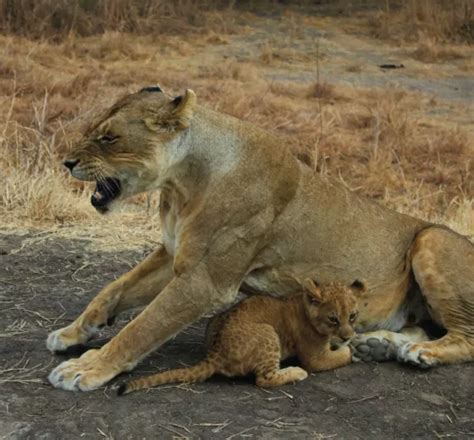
{"points": [[444, 20]]}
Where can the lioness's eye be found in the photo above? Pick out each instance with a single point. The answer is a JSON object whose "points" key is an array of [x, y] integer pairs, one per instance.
{"points": [[353, 316], [107, 139], [333, 320]]}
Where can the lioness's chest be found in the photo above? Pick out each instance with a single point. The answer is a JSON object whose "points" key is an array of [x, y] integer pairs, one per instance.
{"points": [[168, 218]]}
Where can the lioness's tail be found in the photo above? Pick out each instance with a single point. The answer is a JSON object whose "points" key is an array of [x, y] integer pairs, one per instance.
{"points": [[197, 373]]}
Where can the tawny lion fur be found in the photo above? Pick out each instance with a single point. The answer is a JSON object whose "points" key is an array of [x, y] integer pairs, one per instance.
{"points": [[240, 211]]}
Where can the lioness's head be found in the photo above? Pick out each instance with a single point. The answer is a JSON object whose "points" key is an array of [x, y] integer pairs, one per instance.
{"points": [[332, 308], [126, 150]]}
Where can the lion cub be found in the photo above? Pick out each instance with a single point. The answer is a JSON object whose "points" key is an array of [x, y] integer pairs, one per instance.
{"points": [[254, 335]]}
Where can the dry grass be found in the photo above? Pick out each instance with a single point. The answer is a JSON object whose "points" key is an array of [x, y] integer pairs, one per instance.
{"points": [[274, 53], [56, 19], [322, 90], [22, 372], [376, 144], [431, 31], [230, 69], [441, 21], [380, 142], [431, 52]]}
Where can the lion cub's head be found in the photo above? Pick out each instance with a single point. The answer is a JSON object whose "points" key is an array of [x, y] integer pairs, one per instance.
{"points": [[126, 150], [332, 308]]}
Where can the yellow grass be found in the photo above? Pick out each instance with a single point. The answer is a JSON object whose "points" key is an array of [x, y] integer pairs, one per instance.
{"points": [[380, 142], [417, 20], [432, 31], [56, 19]]}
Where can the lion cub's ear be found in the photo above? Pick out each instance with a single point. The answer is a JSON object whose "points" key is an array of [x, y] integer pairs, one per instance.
{"points": [[313, 290], [358, 287], [182, 109]]}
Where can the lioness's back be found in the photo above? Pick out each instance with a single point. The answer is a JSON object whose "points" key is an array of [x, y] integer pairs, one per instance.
{"points": [[344, 234]]}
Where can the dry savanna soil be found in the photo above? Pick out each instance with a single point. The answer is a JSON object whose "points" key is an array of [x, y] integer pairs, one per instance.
{"points": [[403, 136]]}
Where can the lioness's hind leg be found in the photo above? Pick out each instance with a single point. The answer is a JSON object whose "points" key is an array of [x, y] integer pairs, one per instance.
{"points": [[133, 289], [443, 265], [384, 345]]}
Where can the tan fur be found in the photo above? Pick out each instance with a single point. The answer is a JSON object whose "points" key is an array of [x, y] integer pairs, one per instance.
{"points": [[256, 334], [240, 211]]}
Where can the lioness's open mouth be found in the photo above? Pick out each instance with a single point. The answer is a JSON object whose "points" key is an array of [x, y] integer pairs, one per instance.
{"points": [[106, 190]]}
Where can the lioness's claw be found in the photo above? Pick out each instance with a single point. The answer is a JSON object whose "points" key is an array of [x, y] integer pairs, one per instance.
{"points": [[86, 373]]}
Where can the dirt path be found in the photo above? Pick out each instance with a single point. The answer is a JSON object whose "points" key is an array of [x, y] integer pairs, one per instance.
{"points": [[45, 285]]}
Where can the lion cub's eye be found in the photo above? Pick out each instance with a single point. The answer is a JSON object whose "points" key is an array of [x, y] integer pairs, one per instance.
{"points": [[353, 316], [107, 139], [333, 320], [313, 301]]}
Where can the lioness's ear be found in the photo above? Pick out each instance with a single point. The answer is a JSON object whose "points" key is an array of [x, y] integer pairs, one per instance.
{"points": [[182, 109], [151, 89], [313, 289]]}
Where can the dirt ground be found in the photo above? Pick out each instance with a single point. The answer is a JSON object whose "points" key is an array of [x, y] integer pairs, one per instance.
{"points": [[46, 281]]}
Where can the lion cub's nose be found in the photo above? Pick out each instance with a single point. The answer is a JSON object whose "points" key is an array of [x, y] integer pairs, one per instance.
{"points": [[346, 335], [71, 163]]}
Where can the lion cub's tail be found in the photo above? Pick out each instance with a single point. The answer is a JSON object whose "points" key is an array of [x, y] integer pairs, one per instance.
{"points": [[197, 373]]}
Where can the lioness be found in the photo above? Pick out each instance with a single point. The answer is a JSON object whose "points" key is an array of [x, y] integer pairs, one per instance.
{"points": [[240, 211], [254, 335]]}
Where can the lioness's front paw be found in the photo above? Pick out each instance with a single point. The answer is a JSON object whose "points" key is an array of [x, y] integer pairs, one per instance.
{"points": [[86, 373], [415, 354], [63, 338]]}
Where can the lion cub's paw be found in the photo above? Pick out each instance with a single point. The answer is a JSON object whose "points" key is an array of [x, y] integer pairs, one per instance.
{"points": [[297, 374], [367, 348], [415, 354]]}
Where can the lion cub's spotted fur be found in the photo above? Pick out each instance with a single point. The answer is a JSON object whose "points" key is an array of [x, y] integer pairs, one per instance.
{"points": [[257, 333]]}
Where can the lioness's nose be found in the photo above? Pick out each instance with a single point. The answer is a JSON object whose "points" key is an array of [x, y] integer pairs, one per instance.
{"points": [[71, 163]]}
